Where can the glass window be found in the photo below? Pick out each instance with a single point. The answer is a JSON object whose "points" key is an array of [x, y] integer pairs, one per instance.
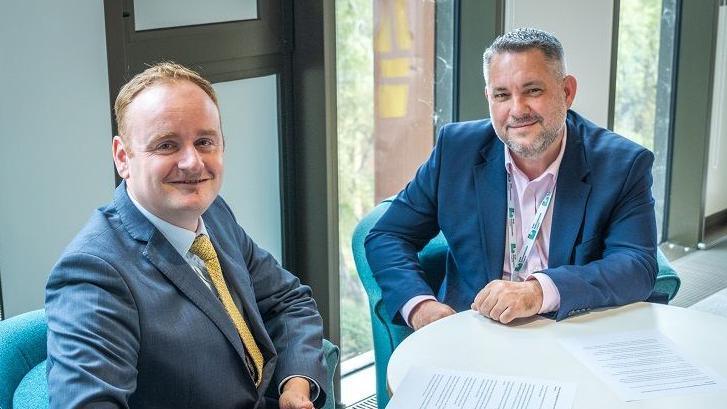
{"points": [[644, 82], [250, 110], [153, 14], [389, 69]]}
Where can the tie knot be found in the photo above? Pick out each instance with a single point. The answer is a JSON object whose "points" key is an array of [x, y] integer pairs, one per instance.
{"points": [[202, 248]]}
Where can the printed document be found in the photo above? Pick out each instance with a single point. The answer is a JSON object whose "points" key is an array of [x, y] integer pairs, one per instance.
{"points": [[429, 388], [642, 364]]}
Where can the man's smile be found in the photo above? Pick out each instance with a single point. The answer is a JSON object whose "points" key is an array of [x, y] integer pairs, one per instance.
{"points": [[189, 181]]}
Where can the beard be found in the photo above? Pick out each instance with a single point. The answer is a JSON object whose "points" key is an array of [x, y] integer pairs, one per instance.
{"points": [[541, 143]]}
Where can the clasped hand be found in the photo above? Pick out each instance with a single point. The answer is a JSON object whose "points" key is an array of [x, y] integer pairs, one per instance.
{"points": [[500, 300], [506, 300]]}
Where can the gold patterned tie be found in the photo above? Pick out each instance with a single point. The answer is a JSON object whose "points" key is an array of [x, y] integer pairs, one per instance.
{"points": [[202, 248]]}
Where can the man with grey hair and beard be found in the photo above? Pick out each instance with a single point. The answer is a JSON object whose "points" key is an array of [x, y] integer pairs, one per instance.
{"points": [[544, 211]]}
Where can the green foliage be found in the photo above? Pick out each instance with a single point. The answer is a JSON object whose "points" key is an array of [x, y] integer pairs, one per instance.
{"points": [[355, 99], [637, 70], [356, 324]]}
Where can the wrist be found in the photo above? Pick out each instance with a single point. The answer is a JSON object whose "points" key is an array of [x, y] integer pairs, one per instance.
{"points": [[417, 309], [549, 292], [299, 386]]}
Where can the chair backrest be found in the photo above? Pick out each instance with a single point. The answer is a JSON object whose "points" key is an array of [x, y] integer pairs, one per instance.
{"points": [[22, 348], [387, 335], [432, 258]]}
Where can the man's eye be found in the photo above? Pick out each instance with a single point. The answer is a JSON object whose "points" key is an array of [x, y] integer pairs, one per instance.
{"points": [[165, 146], [500, 95], [535, 91], [205, 142]]}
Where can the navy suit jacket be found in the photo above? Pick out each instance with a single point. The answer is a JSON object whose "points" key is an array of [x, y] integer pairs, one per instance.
{"points": [[131, 325], [603, 236]]}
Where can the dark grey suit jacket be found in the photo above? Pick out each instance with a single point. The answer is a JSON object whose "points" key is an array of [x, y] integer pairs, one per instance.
{"points": [[131, 325]]}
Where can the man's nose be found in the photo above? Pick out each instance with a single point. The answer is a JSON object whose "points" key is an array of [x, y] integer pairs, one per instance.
{"points": [[190, 159], [519, 107]]}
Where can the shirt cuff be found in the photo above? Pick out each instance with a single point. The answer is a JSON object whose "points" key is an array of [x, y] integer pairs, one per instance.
{"points": [[413, 302], [551, 295], [315, 389]]}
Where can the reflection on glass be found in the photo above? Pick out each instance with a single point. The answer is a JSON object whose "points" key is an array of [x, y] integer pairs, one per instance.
{"points": [[386, 59], [644, 82], [151, 14]]}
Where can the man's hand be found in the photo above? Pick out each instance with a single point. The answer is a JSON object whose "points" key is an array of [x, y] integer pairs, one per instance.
{"points": [[506, 300], [428, 311], [296, 394]]}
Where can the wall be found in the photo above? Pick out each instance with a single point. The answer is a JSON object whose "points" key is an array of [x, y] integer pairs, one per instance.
{"points": [[55, 125], [55, 160], [584, 27], [716, 199]]}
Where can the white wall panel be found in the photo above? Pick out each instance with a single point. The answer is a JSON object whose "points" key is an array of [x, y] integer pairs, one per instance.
{"points": [[716, 199], [584, 27], [251, 185], [55, 128]]}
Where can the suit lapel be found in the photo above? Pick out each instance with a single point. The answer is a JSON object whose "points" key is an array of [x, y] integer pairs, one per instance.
{"points": [[167, 260], [161, 253], [571, 196], [491, 188]]}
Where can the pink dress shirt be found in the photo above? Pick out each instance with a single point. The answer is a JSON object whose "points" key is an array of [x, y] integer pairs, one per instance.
{"points": [[527, 196]]}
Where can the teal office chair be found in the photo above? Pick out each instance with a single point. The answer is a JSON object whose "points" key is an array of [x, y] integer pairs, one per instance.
{"points": [[23, 353], [432, 259], [22, 361]]}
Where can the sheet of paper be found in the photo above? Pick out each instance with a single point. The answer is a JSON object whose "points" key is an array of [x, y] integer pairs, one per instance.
{"points": [[642, 364], [429, 388]]}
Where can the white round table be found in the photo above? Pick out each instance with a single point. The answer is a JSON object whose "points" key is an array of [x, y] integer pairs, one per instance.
{"points": [[530, 348]]}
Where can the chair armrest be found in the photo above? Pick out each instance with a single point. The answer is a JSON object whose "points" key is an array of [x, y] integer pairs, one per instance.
{"points": [[387, 336], [667, 279], [332, 355], [22, 347]]}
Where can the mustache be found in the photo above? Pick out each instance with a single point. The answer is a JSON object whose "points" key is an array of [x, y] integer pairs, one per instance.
{"points": [[527, 119]]}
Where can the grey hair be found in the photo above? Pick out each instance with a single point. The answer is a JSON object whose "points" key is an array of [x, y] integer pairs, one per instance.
{"points": [[525, 39]]}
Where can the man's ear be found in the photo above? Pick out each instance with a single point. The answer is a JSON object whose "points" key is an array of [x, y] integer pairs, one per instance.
{"points": [[570, 86], [121, 157], [487, 95]]}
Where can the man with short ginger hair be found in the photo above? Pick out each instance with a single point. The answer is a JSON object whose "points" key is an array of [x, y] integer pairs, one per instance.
{"points": [[162, 300], [544, 211]]}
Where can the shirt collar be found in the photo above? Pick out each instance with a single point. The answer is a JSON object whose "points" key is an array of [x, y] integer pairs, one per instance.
{"points": [[551, 170], [180, 238]]}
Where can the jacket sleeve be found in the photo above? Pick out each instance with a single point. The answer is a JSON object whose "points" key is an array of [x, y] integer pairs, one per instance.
{"points": [[623, 266], [401, 232], [93, 335], [290, 316]]}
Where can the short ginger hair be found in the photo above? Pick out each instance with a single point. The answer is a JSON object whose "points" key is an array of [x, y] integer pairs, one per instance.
{"points": [[160, 73]]}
